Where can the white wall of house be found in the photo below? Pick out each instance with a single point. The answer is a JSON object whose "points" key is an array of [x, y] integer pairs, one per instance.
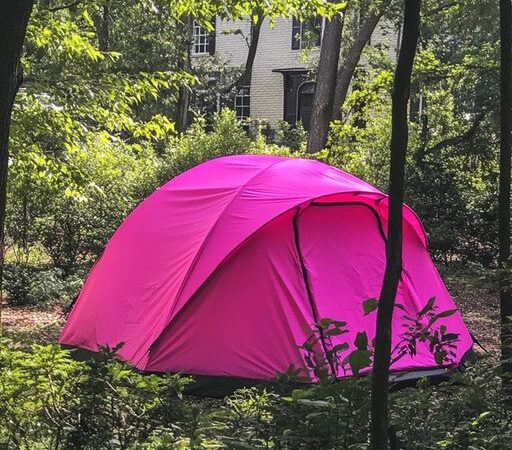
{"points": [[232, 47], [267, 87], [274, 53]]}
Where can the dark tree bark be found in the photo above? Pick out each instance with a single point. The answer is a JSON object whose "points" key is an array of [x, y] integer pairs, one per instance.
{"points": [[399, 140], [245, 78], [183, 105], [101, 19], [348, 67], [14, 15], [504, 190], [321, 111]]}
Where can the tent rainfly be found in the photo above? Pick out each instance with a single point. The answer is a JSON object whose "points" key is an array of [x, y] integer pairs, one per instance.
{"points": [[223, 271]]}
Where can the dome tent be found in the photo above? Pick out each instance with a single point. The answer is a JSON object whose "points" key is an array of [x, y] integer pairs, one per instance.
{"points": [[222, 271]]}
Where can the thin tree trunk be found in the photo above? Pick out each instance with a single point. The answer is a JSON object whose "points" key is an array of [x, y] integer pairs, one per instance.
{"points": [[14, 15], [183, 105], [321, 111], [399, 140], [100, 20], [504, 190], [351, 60], [245, 78]]}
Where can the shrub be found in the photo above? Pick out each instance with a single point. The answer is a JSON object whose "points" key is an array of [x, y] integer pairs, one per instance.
{"points": [[29, 285], [293, 137], [49, 400], [70, 209], [196, 146]]}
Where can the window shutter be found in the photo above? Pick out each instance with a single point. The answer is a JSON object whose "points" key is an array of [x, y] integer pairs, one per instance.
{"points": [[211, 42]]}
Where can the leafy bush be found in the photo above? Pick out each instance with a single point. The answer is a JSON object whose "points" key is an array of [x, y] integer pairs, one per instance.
{"points": [[50, 400], [72, 212], [293, 137], [467, 412], [227, 137], [29, 285]]}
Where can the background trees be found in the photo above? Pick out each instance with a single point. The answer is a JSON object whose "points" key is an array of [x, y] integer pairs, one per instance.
{"points": [[105, 114]]}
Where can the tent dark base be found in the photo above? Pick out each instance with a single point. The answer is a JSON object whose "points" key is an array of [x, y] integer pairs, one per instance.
{"points": [[217, 386]]}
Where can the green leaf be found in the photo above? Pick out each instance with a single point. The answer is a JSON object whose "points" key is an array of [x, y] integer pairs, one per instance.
{"points": [[449, 337], [361, 341], [335, 332], [439, 357], [324, 323], [428, 307], [358, 360], [370, 305], [447, 313], [339, 348]]}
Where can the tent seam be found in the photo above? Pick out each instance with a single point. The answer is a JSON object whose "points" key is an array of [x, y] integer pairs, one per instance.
{"points": [[311, 200], [203, 245]]}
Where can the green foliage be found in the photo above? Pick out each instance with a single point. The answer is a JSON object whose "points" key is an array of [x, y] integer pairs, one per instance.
{"points": [[50, 400], [327, 354], [72, 207], [451, 175], [295, 138], [466, 412], [29, 285], [196, 146]]}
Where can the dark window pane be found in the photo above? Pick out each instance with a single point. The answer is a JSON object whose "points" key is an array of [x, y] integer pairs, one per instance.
{"points": [[296, 33]]}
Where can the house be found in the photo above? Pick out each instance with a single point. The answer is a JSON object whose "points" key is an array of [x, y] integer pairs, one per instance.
{"points": [[282, 84]]}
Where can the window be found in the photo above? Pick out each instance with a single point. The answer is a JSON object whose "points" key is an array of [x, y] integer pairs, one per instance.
{"points": [[204, 41], [243, 103], [306, 34]]}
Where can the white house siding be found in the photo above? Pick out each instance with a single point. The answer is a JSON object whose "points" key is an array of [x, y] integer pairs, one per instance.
{"points": [[274, 53], [386, 37], [229, 46]]}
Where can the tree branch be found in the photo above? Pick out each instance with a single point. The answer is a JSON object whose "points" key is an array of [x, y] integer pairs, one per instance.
{"points": [[460, 139]]}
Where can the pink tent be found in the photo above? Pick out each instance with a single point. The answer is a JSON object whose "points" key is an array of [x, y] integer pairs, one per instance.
{"points": [[223, 270]]}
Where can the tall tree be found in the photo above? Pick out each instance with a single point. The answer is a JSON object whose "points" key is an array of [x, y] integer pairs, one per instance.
{"points": [[14, 15], [504, 188], [399, 142], [325, 84], [351, 60]]}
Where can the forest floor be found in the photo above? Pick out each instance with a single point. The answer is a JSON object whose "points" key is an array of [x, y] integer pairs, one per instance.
{"points": [[476, 298]]}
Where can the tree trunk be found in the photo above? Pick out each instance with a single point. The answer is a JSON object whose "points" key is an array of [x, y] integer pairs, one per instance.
{"points": [[245, 78], [399, 140], [14, 15], [348, 67], [504, 190], [100, 20], [321, 111], [183, 105]]}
